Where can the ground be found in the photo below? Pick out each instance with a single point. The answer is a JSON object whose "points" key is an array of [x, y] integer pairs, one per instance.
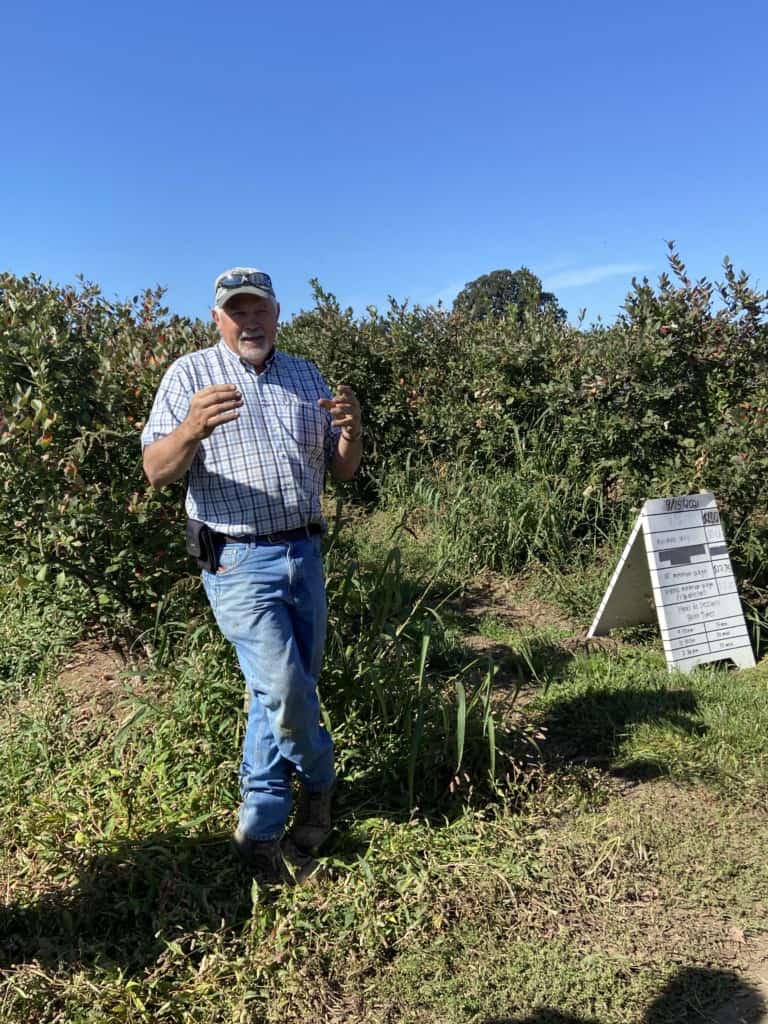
{"points": [[498, 601], [642, 877]]}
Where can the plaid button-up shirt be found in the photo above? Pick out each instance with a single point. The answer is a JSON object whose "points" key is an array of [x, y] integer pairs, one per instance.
{"points": [[263, 472]]}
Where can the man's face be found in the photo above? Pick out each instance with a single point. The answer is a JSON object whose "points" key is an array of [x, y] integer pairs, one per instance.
{"points": [[248, 325]]}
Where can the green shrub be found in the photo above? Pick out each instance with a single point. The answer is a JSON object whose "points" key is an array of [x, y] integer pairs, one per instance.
{"points": [[544, 435], [669, 399], [77, 379]]}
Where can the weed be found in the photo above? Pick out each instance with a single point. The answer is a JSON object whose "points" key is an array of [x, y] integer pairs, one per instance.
{"points": [[589, 864]]}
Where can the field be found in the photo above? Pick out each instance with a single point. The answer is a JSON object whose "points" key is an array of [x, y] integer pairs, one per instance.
{"points": [[531, 828], [614, 872]]}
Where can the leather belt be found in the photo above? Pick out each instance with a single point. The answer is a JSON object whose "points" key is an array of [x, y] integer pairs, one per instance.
{"points": [[300, 533]]}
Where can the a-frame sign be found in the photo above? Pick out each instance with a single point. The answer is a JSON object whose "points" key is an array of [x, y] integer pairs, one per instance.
{"points": [[675, 568]]}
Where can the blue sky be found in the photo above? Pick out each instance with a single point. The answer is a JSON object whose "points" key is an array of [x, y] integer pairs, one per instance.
{"points": [[386, 150]]}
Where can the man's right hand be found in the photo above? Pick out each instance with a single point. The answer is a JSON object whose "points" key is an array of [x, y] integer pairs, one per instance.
{"points": [[169, 458], [210, 407]]}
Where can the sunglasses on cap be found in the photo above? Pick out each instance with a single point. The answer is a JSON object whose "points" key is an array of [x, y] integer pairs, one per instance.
{"points": [[236, 280]]}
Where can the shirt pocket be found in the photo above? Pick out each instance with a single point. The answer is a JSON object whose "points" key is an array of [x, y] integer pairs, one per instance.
{"points": [[303, 424]]}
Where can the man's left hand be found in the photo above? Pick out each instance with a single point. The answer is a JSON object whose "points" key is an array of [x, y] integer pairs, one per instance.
{"points": [[345, 412]]}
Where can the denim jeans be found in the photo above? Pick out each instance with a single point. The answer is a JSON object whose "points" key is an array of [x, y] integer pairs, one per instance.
{"points": [[269, 602]]}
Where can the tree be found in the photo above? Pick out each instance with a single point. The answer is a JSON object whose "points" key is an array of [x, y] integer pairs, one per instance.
{"points": [[493, 294]]}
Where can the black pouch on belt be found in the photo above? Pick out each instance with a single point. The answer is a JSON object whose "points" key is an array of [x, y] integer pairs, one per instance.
{"points": [[200, 545]]}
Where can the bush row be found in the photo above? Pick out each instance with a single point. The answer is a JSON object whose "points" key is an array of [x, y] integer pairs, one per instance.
{"points": [[671, 398]]}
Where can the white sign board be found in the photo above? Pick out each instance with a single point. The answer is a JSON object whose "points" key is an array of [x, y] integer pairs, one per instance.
{"points": [[675, 568]]}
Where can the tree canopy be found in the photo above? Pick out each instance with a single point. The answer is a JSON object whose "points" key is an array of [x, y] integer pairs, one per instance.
{"points": [[493, 294]]}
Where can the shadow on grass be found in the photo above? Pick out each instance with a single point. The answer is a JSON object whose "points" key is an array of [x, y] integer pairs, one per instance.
{"points": [[591, 727], [698, 994], [535, 660], [541, 660], [526, 666], [129, 903], [694, 995]]}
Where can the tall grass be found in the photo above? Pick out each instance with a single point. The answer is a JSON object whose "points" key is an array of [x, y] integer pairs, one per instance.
{"points": [[540, 510], [404, 701]]}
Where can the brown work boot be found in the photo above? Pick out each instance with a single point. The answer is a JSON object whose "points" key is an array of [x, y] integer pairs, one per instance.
{"points": [[302, 865], [312, 821], [261, 858]]}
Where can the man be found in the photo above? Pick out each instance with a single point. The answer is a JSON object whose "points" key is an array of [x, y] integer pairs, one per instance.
{"points": [[256, 429]]}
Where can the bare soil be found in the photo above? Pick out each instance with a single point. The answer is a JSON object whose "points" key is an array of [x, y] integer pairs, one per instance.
{"points": [[96, 680], [491, 594]]}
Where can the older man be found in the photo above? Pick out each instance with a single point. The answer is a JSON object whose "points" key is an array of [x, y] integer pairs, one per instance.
{"points": [[256, 429]]}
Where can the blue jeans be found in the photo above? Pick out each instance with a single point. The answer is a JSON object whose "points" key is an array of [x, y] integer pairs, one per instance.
{"points": [[269, 602]]}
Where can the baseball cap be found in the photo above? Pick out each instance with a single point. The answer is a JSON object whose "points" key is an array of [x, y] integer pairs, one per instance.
{"points": [[242, 281]]}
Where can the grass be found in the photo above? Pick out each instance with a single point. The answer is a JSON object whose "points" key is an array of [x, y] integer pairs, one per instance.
{"points": [[506, 519], [608, 869], [626, 711], [35, 630], [466, 922]]}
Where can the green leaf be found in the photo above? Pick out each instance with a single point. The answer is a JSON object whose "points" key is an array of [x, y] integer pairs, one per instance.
{"points": [[461, 721]]}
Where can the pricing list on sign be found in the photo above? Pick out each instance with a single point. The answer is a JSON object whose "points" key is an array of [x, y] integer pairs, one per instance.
{"points": [[677, 564]]}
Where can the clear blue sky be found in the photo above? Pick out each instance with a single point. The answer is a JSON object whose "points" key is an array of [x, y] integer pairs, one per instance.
{"points": [[398, 149]]}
